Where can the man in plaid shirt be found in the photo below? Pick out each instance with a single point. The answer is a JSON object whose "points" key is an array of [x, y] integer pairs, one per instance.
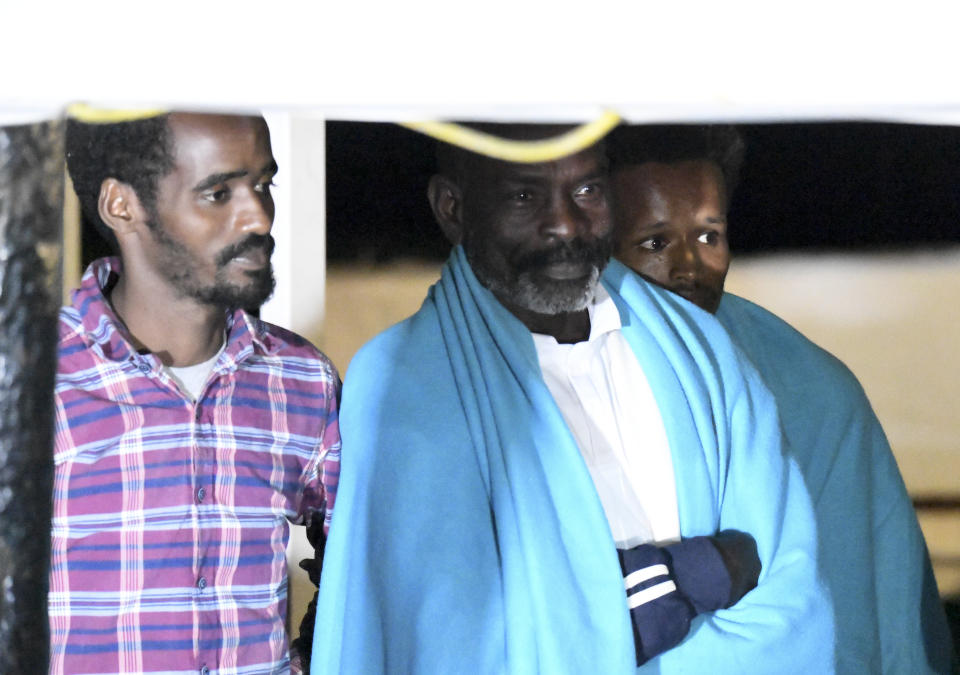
{"points": [[188, 432]]}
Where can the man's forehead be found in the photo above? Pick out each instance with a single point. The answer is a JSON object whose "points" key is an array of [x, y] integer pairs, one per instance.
{"points": [[207, 143], [586, 162], [218, 129], [658, 186], [692, 171]]}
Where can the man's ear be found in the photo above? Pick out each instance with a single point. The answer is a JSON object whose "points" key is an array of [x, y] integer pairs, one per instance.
{"points": [[119, 207], [445, 200]]}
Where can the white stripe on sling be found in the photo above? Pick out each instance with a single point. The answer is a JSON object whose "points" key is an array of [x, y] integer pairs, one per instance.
{"points": [[645, 574], [650, 594]]}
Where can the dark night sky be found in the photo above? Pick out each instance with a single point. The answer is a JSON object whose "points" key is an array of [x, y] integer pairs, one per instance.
{"points": [[803, 186]]}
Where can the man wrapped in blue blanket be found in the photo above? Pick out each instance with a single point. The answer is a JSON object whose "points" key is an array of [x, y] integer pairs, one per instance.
{"points": [[549, 472], [671, 186]]}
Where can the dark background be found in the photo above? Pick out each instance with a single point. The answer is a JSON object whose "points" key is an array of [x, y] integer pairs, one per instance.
{"points": [[823, 186]]}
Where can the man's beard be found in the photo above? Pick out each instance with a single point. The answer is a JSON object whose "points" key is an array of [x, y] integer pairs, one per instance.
{"points": [[525, 287], [180, 267]]}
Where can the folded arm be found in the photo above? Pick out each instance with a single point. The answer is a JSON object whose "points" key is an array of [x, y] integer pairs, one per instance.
{"points": [[785, 624], [667, 587]]}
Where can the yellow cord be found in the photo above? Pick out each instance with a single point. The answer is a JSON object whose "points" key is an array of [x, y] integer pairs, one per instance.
{"points": [[509, 150], [543, 150], [87, 113]]}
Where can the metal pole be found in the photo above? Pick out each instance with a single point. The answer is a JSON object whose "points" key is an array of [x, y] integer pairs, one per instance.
{"points": [[31, 199]]}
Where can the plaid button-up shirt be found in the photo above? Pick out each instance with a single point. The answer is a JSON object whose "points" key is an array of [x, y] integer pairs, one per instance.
{"points": [[170, 516]]}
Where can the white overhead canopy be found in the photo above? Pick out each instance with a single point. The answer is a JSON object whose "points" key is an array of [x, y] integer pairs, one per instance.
{"points": [[495, 59]]}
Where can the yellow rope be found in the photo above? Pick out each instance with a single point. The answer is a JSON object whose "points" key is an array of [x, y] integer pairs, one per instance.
{"points": [[91, 115], [509, 150], [543, 150]]}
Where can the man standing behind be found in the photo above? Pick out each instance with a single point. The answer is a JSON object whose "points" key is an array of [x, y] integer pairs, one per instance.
{"points": [[188, 431], [671, 189], [543, 472]]}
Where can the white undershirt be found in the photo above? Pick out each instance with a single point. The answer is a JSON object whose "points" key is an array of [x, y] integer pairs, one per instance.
{"points": [[609, 407], [192, 378]]}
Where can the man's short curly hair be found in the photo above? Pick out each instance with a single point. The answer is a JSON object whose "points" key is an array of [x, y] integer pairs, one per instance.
{"points": [[668, 143], [137, 153]]}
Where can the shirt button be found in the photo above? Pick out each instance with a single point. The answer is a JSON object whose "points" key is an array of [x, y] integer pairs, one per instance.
{"points": [[199, 411], [202, 583], [204, 671], [144, 367], [201, 493]]}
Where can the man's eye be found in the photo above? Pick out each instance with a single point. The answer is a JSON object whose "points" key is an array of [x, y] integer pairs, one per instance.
{"points": [[265, 186], [590, 192], [218, 195], [521, 196], [710, 238], [654, 243]]}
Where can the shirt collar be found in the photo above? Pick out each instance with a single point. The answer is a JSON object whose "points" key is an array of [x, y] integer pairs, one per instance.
{"points": [[103, 328], [604, 315]]}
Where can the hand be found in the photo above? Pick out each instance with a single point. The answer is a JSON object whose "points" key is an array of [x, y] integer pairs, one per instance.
{"points": [[739, 553]]}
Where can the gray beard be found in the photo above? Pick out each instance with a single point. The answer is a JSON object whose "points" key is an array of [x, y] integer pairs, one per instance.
{"points": [[542, 297]]}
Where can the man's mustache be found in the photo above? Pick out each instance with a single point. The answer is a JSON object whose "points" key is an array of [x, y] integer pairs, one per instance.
{"points": [[596, 253], [263, 241]]}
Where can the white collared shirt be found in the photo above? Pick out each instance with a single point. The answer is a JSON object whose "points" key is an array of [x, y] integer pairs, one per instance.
{"points": [[609, 407]]}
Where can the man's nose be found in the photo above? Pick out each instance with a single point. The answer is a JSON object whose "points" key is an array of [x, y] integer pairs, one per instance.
{"points": [[566, 220], [685, 261], [255, 212]]}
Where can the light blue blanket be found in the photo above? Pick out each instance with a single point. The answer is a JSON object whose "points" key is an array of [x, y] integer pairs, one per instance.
{"points": [[871, 552], [468, 536]]}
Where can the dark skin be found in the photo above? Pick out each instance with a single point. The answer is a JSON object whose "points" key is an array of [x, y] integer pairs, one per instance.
{"points": [[502, 211], [671, 227], [217, 195]]}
